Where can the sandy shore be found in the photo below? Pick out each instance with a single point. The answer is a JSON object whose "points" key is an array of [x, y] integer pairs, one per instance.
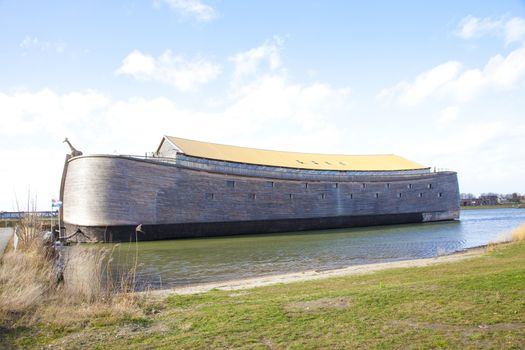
{"points": [[315, 275]]}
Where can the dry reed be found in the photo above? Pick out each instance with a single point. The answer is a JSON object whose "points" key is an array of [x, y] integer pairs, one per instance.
{"points": [[89, 276], [83, 273], [30, 288], [518, 234], [26, 277], [29, 231]]}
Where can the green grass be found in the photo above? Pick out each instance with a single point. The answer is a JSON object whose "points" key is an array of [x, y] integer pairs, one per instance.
{"points": [[46, 222], [7, 223], [470, 304], [497, 206]]}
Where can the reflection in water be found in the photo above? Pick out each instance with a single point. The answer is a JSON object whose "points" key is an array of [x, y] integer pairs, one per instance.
{"points": [[182, 262]]}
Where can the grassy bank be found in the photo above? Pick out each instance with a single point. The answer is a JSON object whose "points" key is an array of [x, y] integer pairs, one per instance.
{"points": [[475, 303], [498, 206], [46, 222]]}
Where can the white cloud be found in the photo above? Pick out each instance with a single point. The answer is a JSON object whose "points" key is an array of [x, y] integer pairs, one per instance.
{"points": [[425, 84], [448, 115], [272, 100], [46, 112], [266, 57], [195, 8], [34, 43], [474, 27], [512, 30], [487, 155], [468, 141], [268, 112], [453, 81], [169, 69]]}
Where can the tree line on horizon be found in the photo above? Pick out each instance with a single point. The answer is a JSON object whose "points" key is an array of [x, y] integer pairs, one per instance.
{"points": [[502, 198]]}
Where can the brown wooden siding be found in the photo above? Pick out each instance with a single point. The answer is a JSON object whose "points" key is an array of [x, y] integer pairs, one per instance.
{"points": [[113, 190]]}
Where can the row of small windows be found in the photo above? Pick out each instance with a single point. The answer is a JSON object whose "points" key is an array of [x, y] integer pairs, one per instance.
{"points": [[270, 184], [211, 196], [314, 162]]}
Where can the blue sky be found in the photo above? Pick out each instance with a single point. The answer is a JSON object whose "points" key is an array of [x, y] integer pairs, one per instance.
{"points": [[439, 82]]}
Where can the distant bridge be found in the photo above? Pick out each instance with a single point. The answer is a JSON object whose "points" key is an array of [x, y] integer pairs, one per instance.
{"points": [[15, 215]]}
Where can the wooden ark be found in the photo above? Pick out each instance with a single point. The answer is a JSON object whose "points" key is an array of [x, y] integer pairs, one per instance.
{"points": [[195, 189]]}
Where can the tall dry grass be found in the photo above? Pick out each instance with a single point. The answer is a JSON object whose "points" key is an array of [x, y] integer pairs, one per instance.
{"points": [[84, 268], [29, 230], [518, 234], [27, 276], [88, 275], [34, 287]]}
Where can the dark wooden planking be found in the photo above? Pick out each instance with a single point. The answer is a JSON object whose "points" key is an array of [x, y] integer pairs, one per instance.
{"points": [[110, 191]]}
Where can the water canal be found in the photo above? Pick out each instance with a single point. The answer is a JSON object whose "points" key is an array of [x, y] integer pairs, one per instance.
{"points": [[183, 262]]}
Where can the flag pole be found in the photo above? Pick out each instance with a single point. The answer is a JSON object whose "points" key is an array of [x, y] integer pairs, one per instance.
{"points": [[58, 217], [52, 221]]}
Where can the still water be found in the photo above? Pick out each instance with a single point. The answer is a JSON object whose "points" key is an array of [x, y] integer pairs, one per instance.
{"points": [[183, 262]]}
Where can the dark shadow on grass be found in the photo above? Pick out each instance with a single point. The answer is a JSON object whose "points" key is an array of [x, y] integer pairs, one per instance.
{"points": [[9, 335]]}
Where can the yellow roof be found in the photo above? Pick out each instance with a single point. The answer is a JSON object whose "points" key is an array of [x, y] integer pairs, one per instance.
{"points": [[293, 159]]}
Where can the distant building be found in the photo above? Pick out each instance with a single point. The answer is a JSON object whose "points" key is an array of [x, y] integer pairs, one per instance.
{"points": [[488, 200], [482, 200]]}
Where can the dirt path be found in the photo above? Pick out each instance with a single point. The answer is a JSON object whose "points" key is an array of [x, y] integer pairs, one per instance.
{"points": [[315, 275]]}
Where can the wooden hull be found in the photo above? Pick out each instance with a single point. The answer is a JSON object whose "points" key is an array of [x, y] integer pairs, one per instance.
{"points": [[106, 197]]}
